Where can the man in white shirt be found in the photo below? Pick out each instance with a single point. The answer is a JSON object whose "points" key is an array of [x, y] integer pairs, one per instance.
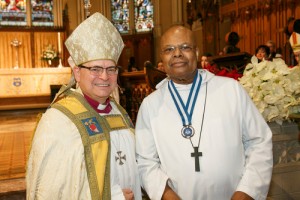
{"points": [[199, 136]]}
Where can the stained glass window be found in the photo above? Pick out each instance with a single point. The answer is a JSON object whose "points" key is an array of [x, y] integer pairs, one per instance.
{"points": [[120, 15], [142, 11], [42, 14], [13, 12]]}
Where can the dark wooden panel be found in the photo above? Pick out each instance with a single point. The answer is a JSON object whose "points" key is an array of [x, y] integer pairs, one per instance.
{"points": [[24, 102]]}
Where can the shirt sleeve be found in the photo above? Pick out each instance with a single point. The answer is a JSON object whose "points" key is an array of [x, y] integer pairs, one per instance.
{"points": [[257, 141], [56, 166], [153, 179]]}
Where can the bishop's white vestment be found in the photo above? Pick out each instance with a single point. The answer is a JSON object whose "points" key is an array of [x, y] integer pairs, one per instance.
{"points": [[236, 143], [57, 167]]}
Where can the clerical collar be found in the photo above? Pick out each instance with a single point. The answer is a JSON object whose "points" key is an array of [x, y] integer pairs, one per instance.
{"points": [[99, 107]]}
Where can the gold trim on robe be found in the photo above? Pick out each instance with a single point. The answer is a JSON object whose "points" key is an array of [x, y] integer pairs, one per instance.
{"points": [[94, 130]]}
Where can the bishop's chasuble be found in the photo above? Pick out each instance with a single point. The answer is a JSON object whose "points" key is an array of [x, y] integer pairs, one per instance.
{"points": [[77, 153]]}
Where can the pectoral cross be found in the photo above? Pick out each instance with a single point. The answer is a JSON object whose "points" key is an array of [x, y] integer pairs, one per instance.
{"points": [[196, 154]]}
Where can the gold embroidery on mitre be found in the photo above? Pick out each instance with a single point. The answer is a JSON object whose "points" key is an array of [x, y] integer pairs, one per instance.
{"points": [[96, 38]]}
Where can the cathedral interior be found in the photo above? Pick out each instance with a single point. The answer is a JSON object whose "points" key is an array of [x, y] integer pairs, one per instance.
{"points": [[34, 64]]}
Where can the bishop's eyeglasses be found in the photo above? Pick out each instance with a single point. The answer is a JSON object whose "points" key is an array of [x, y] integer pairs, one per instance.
{"points": [[98, 70], [184, 48]]}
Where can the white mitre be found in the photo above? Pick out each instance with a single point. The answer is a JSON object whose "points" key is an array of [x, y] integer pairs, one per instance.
{"points": [[95, 38]]}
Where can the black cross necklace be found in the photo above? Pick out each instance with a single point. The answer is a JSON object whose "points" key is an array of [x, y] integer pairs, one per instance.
{"points": [[196, 152]]}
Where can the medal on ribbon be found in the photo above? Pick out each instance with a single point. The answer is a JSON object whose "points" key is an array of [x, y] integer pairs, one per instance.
{"points": [[186, 110], [187, 131]]}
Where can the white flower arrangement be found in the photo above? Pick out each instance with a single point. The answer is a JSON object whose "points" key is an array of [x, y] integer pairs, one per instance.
{"points": [[274, 88], [49, 53]]}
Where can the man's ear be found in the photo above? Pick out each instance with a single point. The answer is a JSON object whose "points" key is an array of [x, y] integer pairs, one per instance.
{"points": [[197, 54], [76, 72]]}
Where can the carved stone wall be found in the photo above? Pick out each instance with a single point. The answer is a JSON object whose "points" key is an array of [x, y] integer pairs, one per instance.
{"points": [[285, 182]]}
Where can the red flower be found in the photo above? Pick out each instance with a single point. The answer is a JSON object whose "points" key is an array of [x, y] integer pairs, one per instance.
{"points": [[223, 72]]}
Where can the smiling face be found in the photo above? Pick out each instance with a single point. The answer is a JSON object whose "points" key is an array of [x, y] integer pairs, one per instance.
{"points": [[179, 54], [97, 87], [261, 54], [204, 62]]}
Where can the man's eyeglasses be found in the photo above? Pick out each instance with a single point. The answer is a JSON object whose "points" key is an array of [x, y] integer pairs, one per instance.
{"points": [[97, 70], [184, 48]]}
